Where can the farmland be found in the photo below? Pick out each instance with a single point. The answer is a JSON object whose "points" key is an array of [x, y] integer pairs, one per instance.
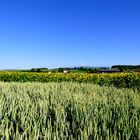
{"points": [[68, 110], [119, 80], [57, 106]]}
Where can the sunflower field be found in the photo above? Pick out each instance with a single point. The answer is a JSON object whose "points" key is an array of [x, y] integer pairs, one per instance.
{"points": [[119, 80]]}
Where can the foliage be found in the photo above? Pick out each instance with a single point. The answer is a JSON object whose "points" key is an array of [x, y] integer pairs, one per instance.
{"points": [[119, 80], [126, 68], [39, 70], [68, 111], [61, 70]]}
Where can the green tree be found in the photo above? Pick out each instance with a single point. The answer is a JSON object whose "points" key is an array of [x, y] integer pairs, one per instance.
{"points": [[60, 69]]}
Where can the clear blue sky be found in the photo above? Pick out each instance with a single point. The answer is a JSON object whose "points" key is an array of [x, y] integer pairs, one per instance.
{"points": [[53, 33]]}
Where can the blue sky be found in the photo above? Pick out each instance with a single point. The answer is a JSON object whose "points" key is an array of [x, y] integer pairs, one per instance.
{"points": [[54, 33]]}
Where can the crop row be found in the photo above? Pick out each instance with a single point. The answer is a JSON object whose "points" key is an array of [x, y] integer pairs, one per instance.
{"points": [[126, 80]]}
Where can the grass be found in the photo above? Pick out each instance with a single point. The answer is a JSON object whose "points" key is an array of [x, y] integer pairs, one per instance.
{"points": [[59, 111]]}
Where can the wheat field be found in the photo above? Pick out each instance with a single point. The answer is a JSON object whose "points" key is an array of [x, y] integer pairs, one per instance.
{"points": [[67, 111]]}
